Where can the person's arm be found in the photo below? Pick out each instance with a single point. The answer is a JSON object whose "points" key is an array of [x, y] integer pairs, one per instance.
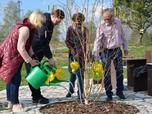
{"points": [[86, 41], [69, 41], [97, 43], [23, 37], [44, 36], [125, 42]]}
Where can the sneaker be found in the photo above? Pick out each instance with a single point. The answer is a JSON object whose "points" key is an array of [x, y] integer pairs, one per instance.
{"points": [[3, 106], [17, 108], [68, 94], [9, 104], [121, 95], [42, 100], [109, 98]]}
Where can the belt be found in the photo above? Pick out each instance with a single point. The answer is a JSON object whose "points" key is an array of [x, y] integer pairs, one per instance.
{"points": [[115, 49]]}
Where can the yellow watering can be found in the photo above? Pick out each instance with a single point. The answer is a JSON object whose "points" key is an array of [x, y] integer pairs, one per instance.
{"points": [[74, 66], [97, 71]]}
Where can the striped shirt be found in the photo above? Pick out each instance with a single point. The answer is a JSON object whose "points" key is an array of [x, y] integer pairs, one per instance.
{"points": [[110, 37]]}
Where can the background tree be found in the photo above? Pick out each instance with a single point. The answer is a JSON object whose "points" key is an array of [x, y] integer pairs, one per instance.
{"points": [[1, 36], [28, 13], [92, 30], [56, 34], [10, 12], [137, 14]]}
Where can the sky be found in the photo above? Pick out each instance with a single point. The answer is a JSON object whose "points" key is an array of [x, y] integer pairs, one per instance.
{"points": [[45, 5]]}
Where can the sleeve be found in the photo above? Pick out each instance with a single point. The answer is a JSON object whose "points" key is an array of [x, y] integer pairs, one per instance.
{"points": [[86, 41], [23, 37], [47, 51], [125, 42], [98, 42], [44, 35], [68, 41]]}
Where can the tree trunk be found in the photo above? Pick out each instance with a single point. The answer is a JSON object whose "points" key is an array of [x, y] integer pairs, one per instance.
{"points": [[140, 40], [87, 88]]}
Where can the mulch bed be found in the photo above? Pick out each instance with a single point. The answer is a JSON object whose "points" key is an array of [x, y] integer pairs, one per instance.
{"points": [[91, 108]]}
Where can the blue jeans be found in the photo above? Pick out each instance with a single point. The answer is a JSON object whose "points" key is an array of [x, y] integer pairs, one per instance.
{"points": [[12, 88], [78, 75], [116, 56]]}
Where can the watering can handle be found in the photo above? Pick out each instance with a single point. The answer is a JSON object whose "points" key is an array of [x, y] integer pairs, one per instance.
{"points": [[74, 58], [47, 68], [39, 64]]}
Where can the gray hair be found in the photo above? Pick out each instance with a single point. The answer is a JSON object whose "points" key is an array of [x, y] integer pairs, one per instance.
{"points": [[108, 10]]}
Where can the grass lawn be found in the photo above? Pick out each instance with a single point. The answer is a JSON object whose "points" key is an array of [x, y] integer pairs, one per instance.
{"points": [[61, 57], [139, 52]]}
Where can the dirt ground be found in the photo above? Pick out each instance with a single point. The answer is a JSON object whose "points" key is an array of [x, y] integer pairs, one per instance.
{"points": [[92, 108]]}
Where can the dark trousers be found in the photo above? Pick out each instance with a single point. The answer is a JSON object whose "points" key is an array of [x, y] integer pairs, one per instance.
{"points": [[36, 93], [12, 88], [116, 56], [78, 75]]}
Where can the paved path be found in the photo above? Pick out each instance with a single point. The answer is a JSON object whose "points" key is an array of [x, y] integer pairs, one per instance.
{"points": [[57, 94]]}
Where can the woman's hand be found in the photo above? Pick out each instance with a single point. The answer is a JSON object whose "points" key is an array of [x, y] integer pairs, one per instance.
{"points": [[126, 53], [73, 52], [33, 62]]}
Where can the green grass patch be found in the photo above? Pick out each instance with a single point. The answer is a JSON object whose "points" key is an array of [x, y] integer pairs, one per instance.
{"points": [[138, 52], [61, 50], [2, 85], [125, 72]]}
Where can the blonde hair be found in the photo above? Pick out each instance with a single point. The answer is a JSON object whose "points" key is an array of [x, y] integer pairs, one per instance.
{"points": [[37, 19]]}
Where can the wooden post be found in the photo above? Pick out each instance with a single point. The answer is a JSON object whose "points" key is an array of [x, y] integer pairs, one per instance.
{"points": [[113, 76], [148, 56]]}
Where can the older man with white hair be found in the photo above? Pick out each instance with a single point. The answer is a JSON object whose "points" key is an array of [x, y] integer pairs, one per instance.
{"points": [[109, 39]]}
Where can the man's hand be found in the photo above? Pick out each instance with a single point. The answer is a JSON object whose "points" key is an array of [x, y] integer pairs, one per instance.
{"points": [[52, 62], [126, 53]]}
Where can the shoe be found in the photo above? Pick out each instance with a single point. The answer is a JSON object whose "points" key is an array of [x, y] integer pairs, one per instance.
{"points": [[109, 98], [42, 100], [68, 94], [121, 95], [17, 108], [9, 104], [3, 106]]}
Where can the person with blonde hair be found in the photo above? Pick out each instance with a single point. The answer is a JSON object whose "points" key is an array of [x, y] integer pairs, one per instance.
{"points": [[13, 52]]}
